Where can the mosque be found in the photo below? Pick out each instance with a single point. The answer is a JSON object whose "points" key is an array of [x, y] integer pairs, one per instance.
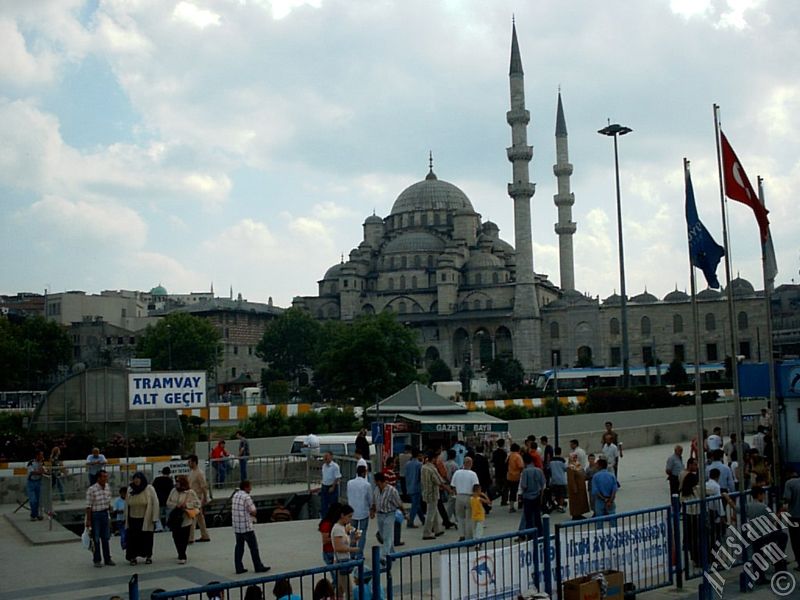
{"points": [[472, 296]]}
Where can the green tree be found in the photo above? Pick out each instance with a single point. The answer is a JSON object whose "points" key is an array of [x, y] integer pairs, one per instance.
{"points": [[676, 374], [439, 371], [31, 351], [181, 341], [508, 372], [375, 355], [288, 343]]}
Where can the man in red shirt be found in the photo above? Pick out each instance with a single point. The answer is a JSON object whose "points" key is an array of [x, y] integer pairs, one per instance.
{"points": [[219, 460]]}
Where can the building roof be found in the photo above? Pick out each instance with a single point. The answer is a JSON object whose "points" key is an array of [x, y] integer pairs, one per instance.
{"points": [[431, 194], [644, 298], [415, 241], [676, 296], [416, 399], [466, 422], [561, 122]]}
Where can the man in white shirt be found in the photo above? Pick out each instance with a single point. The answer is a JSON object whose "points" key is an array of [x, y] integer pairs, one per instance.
{"points": [[610, 451], [329, 490], [243, 515], [714, 441], [359, 496], [463, 481], [580, 453]]}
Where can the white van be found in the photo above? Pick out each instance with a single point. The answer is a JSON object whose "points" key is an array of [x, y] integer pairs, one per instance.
{"points": [[340, 445]]}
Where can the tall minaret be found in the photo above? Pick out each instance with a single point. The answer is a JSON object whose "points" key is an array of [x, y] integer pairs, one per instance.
{"points": [[526, 305], [564, 200]]}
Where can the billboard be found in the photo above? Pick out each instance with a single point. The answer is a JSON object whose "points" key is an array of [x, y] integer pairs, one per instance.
{"points": [[167, 390]]}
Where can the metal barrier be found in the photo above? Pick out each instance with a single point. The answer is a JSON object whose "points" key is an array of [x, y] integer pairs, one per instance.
{"points": [[639, 544], [302, 583], [499, 566]]}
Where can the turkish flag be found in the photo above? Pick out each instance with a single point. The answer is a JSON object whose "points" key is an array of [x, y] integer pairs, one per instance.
{"points": [[737, 186]]}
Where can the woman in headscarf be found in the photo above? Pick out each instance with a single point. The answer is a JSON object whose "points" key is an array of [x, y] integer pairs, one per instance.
{"points": [[183, 497], [143, 511]]}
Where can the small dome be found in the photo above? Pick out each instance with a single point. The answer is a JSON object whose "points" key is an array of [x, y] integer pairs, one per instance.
{"points": [[431, 194], [742, 287], [482, 261], [644, 298], [613, 299], [159, 290], [373, 220], [491, 229], [676, 296], [415, 241], [709, 294], [334, 272]]}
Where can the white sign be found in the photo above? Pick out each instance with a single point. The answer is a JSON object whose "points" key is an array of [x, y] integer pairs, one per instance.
{"points": [[139, 364], [639, 550], [167, 390]]}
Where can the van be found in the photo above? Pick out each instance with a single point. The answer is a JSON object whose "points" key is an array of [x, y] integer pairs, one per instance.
{"points": [[338, 445]]}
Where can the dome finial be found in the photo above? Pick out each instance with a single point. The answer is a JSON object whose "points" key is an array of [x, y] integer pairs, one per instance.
{"points": [[431, 174]]}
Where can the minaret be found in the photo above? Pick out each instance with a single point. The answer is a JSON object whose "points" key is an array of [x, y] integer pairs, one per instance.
{"points": [[564, 199], [526, 305]]}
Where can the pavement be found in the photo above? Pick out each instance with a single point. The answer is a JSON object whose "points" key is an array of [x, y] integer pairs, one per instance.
{"points": [[65, 571]]}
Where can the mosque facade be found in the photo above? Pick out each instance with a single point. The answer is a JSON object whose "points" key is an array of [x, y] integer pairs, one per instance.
{"points": [[472, 296]]}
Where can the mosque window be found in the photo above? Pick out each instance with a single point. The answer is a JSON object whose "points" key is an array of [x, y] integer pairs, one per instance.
{"points": [[436, 219], [742, 321], [488, 304], [414, 282], [554, 332], [477, 278], [401, 308], [424, 219], [402, 282], [391, 262], [430, 261], [417, 261], [645, 325], [495, 278], [613, 326], [711, 322], [476, 305], [444, 277], [679, 352], [711, 352], [677, 324], [403, 262], [346, 282], [390, 283]]}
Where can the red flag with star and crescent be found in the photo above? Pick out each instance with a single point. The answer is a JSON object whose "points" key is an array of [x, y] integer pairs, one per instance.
{"points": [[737, 186]]}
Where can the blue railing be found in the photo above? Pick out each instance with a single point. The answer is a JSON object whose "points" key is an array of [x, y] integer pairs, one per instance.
{"points": [[301, 583]]}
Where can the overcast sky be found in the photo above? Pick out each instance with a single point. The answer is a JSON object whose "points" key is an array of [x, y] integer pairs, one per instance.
{"points": [[244, 142]]}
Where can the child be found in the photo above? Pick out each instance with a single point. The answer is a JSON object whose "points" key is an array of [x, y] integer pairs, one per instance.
{"points": [[558, 479], [477, 503], [119, 517]]}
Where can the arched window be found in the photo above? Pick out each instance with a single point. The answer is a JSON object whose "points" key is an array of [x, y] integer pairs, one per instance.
{"points": [[417, 261], [430, 261], [495, 277], [489, 304], [476, 304], [391, 262], [613, 326], [677, 324], [402, 282], [436, 218], [390, 283], [742, 320], [401, 308], [411, 219], [645, 325], [554, 333], [413, 282], [424, 219], [711, 322], [403, 262]]}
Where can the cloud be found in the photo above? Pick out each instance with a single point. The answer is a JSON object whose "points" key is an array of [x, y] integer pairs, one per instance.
{"points": [[19, 67], [197, 17]]}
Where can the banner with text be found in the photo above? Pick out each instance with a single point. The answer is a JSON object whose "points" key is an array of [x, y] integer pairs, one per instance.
{"points": [[167, 390]]}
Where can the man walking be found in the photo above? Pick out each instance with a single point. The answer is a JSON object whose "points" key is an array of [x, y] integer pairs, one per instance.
{"points": [[385, 502], [331, 476], [198, 483], [244, 454], [163, 485], [431, 482], [464, 480], [98, 503], [34, 484], [413, 475], [531, 484], [243, 515], [674, 469], [359, 496]]}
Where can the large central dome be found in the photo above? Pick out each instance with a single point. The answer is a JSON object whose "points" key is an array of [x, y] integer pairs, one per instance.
{"points": [[431, 194]]}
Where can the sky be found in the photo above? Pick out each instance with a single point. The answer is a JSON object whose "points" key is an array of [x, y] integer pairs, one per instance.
{"points": [[242, 143]]}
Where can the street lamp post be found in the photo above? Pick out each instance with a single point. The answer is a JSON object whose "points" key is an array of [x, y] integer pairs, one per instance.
{"points": [[615, 130]]}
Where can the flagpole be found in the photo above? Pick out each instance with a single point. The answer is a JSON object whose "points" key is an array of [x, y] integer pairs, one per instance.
{"points": [[767, 270], [737, 403], [698, 400]]}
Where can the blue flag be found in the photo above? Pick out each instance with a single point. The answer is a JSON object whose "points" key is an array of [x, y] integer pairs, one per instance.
{"points": [[704, 252]]}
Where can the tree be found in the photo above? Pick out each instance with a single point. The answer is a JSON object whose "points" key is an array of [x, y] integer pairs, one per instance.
{"points": [[31, 351], [676, 374], [508, 372], [373, 356], [439, 371], [288, 343], [181, 341]]}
